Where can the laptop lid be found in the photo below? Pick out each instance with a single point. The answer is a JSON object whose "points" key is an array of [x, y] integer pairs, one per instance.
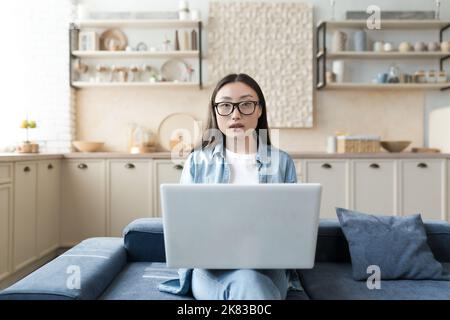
{"points": [[228, 226]]}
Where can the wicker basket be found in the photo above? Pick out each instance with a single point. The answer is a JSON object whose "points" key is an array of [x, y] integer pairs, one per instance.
{"points": [[355, 144]]}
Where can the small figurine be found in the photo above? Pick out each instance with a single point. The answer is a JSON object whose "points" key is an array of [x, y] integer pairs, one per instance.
{"points": [[190, 71], [166, 44]]}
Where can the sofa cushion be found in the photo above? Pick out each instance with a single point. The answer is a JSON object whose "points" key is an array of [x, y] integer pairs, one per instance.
{"points": [[140, 280], [438, 234], [396, 245], [331, 243], [144, 240], [82, 272], [334, 281]]}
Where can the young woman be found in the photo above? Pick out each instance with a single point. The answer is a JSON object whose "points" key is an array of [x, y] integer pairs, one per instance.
{"points": [[236, 148]]}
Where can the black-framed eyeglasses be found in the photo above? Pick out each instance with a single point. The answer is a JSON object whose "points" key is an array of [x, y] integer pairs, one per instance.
{"points": [[244, 107]]}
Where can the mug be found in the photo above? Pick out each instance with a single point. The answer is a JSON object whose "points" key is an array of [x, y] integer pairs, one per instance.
{"points": [[388, 47], [433, 46], [404, 47], [338, 68], [382, 77], [378, 46], [331, 144], [330, 77], [360, 40], [419, 46], [445, 46]]}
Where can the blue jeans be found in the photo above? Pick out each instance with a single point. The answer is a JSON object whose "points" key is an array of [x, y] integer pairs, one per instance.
{"points": [[239, 284]]}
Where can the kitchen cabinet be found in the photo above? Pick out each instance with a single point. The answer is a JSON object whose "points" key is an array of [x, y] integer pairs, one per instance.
{"points": [[298, 170], [129, 194], [83, 210], [165, 171], [48, 205], [334, 177], [422, 187], [5, 229], [25, 183], [6, 170], [374, 185]]}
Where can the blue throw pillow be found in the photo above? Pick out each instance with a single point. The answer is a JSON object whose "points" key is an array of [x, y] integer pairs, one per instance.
{"points": [[397, 245]]}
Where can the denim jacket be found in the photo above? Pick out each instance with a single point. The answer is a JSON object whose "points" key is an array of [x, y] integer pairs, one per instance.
{"points": [[209, 166]]}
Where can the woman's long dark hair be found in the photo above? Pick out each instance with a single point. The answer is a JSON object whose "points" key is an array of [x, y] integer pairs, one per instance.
{"points": [[262, 128]]}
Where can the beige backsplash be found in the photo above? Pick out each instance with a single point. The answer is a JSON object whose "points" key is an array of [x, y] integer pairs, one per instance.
{"points": [[103, 114]]}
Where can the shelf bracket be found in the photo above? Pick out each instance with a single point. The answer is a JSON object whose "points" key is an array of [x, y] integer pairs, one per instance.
{"points": [[73, 28], [442, 59], [441, 32], [321, 53], [200, 81]]}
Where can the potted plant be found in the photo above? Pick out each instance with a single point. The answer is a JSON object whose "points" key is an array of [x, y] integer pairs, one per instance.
{"points": [[27, 146]]}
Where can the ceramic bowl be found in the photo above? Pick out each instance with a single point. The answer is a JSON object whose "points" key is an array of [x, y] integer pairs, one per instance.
{"points": [[87, 146], [395, 146]]}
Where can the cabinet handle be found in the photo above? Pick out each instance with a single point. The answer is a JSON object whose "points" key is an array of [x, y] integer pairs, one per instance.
{"points": [[375, 166], [326, 166], [178, 167], [82, 166], [26, 169], [50, 167], [130, 166], [422, 165]]}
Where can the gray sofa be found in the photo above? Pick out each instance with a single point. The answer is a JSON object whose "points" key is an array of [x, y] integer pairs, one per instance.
{"points": [[132, 267]]}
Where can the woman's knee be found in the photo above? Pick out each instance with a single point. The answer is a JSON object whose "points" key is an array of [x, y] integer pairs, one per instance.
{"points": [[248, 284], [206, 286]]}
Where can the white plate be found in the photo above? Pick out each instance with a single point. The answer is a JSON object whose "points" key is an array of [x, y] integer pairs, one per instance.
{"points": [[178, 123], [174, 70]]}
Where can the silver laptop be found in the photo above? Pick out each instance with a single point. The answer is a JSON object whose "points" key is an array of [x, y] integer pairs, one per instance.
{"points": [[228, 226]]}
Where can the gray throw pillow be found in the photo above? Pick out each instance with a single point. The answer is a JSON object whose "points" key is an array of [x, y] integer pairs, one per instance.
{"points": [[397, 245]]}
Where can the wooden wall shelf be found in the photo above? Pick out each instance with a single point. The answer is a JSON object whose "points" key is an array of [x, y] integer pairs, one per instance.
{"points": [[322, 53]]}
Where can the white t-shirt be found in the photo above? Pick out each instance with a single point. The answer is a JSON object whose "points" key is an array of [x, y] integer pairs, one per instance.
{"points": [[243, 168]]}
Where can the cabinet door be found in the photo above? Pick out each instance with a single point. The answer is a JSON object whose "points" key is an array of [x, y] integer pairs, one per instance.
{"points": [[130, 195], [48, 205], [333, 176], [374, 186], [25, 179], [165, 172], [422, 188], [6, 170], [298, 170], [83, 210], [5, 228]]}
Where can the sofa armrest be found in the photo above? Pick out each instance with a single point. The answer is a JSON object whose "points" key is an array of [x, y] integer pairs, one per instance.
{"points": [[81, 273], [144, 240]]}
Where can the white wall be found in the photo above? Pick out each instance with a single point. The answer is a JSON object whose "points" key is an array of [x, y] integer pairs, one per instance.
{"points": [[35, 73]]}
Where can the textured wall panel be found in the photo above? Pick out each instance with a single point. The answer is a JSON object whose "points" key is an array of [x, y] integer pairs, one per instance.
{"points": [[272, 42]]}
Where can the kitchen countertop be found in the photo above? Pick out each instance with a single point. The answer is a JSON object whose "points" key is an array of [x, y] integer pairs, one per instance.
{"points": [[5, 157]]}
